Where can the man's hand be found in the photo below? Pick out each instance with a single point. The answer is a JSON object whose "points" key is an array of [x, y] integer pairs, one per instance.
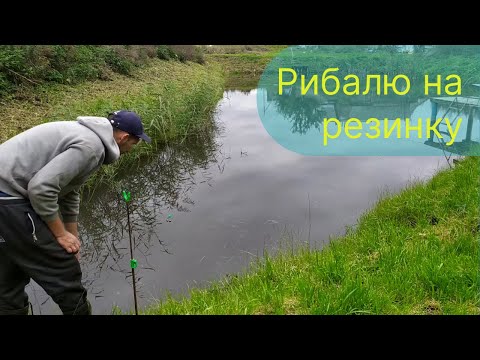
{"points": [[69, 242], [64, 236], [73, 228]]}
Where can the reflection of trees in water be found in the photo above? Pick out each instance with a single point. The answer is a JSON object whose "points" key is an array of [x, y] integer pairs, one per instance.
{"points": [[161, 183], [310, 110], [303, 111]]}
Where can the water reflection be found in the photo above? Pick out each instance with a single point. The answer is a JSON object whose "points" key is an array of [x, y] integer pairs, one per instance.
{"points": [[305, 111], [296, 121], [159, 187]]}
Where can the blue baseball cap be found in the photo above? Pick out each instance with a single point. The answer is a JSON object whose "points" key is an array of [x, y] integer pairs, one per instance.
{"points": [[129, 122]]}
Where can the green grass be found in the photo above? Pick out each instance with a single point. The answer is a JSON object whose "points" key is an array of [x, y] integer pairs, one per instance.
{"points": [[242, 70], [416, 252]]}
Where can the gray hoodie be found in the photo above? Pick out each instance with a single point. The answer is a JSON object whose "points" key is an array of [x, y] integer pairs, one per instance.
{"points": [[48, 163]]}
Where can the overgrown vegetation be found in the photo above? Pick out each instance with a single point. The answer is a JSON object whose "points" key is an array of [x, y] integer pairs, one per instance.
{"points": [[240, 49], [23, 67]]}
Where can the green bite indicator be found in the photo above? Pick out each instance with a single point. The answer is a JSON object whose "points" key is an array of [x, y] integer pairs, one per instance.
{"points": [[126, 195]]}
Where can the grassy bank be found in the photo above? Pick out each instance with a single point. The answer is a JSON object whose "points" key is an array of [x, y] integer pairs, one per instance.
{"points": [[24, 68], [242, 65], [175, 100], [416, 252]]}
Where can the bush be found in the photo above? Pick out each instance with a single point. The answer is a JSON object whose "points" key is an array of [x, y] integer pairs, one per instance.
{"points": [[189, 53], [165, 53], [116, 58], [5, 86]]}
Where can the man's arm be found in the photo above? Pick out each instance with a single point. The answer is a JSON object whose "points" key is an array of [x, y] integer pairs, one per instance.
{"points": [[72, 227], [69, 206], [44, 187]]}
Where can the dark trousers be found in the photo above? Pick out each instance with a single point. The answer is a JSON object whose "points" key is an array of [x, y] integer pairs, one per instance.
{"points": [[28, 250]]}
